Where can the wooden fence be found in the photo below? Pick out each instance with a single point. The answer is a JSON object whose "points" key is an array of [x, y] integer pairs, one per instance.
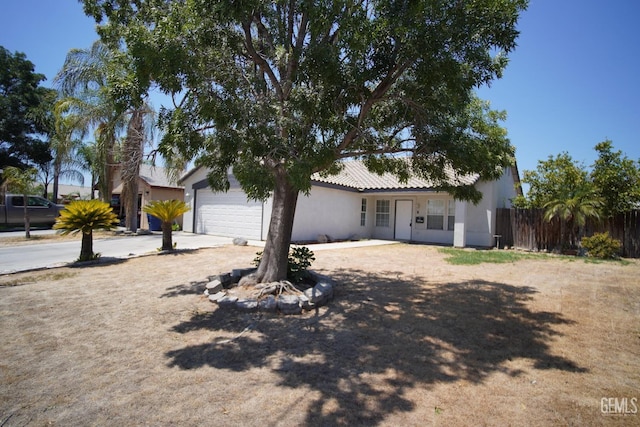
{"points": [[527, 229]]}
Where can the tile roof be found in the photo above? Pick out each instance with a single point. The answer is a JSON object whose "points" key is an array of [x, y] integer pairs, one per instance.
{"points": [[156, 176], [355, 174]]}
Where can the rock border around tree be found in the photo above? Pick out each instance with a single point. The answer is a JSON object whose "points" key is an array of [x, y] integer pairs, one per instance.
{"points": [[219, 290]]}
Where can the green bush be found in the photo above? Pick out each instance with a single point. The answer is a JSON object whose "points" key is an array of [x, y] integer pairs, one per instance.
{"points": [[601, 245], [298, 261]]}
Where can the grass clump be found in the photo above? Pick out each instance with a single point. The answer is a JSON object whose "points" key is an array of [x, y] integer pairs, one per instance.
{"points": [[475, 257]]}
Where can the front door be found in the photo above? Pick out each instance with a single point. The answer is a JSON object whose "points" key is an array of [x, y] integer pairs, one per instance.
{"points": [[404, 215]]}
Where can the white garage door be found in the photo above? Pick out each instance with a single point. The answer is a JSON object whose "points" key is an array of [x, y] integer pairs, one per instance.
{"points": [[228, 214]]}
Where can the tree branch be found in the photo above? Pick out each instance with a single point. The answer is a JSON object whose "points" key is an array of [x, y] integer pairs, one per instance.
{"points": [[260, 61], [376, 95]]}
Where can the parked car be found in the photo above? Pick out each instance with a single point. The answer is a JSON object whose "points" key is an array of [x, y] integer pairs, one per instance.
{"points": [[41, 210]]}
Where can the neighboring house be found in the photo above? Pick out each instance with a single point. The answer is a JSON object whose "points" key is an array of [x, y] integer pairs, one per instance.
{"points": [[357, 204], [154, 184], [68, 193]]}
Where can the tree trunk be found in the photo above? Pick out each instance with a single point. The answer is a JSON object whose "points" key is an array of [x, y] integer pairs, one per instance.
{"points": [[27, 222], [167, 244], [56, 182], [273, 266], [86, 248], [131, 159]]}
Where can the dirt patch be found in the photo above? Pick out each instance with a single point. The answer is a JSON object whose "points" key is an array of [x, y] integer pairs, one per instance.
{"points": [[408, 340]]}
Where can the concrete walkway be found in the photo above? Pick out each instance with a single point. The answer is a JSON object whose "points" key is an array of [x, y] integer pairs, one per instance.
{"points": [[205, 240]]}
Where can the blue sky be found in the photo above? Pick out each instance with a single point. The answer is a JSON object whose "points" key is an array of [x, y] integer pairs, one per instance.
{"points": [[573, 81]]}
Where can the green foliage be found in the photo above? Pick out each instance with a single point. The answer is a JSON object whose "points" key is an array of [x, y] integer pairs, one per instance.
{"points": [[166, 210], [601, 245], [298, 261], [553, 179], [85, 216], [20, 181], [300, 85], [280, 90], [24, 107], [617, 180], [573, 206], [474, 257]]}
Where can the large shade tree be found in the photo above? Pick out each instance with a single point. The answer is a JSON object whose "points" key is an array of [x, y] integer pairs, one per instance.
{"points": [[24, 104], [553, 179], [617, 179], [278, 90], [21, 182]]}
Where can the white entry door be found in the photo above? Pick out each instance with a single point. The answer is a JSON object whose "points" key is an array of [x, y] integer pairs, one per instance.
{"points": [[403, 222]]}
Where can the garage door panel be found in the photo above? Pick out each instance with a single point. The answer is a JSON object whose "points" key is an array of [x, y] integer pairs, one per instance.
{"points": [[228, 214]]}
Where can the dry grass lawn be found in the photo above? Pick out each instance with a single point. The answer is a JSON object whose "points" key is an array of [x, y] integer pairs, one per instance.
{"points": [[409, 340]]}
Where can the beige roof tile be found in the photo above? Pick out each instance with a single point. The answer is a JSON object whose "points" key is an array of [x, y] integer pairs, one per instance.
{"points": [[355, 174], [156, 176]]}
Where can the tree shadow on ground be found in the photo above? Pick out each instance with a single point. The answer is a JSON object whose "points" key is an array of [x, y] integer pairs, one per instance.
{"points": [[98, 262], [383, 335], [193, 288]]}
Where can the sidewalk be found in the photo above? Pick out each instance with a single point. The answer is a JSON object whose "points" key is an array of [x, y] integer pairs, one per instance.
{"points": [[189, 240]]}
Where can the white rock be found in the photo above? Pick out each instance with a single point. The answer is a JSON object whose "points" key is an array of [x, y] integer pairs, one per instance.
{"points": [[247, 304], [217, 296], [214, 286]]}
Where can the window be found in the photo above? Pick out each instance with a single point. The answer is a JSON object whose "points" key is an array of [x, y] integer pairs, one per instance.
{"points": [[31, 201], [38, 201], [451, 212], [382, 213], [363, 213], [435, 214]]}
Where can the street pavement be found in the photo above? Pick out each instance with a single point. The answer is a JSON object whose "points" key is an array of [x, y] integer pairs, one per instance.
{"points": [[60, 253], [55, 254]]}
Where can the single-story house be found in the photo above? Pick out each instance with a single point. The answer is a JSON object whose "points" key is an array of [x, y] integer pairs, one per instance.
{"points": [[68, 192], [154, 184], [357, 204]]}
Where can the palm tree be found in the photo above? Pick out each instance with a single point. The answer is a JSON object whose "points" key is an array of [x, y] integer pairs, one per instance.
{"points": [[83, 80], [69, 129], [85, 216], [88, 153], [573, 208], [138, 132], [22, 182], [166, 211], [87, 74]]}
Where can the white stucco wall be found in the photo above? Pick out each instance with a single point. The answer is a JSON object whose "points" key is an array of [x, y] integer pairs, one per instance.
{"points": [[189, 193], [335, 213], [506, 190], [481, 217]]}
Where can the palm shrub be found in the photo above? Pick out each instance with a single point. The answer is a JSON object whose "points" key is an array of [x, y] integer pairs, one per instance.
{"points": [[573, 208], [84, 216], [166, 211]]}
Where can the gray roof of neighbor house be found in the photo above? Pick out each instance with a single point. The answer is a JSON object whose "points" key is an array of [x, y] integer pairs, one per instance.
{"points": [[156, 176], [355, 174]]}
